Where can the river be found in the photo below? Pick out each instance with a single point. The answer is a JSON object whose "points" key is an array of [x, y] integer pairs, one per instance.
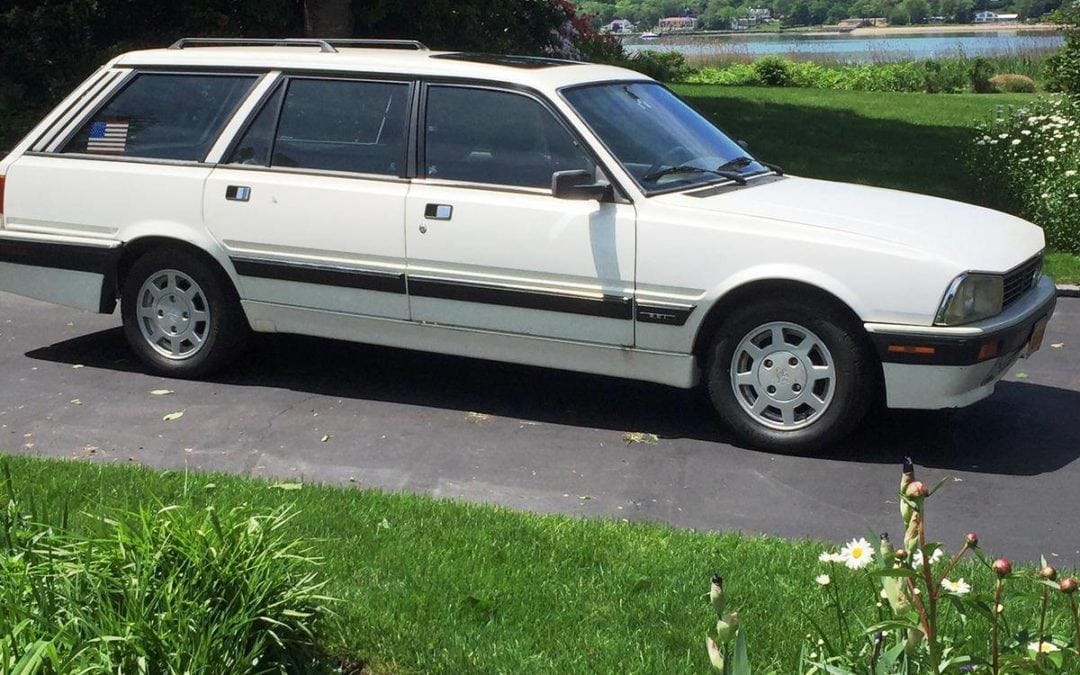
{"points": [[877, 47]]}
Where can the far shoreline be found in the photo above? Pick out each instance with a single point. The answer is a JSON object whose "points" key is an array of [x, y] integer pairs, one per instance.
{"points": [[683, 37]]}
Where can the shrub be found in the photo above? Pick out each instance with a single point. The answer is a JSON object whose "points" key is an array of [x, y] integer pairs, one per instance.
{"points": [[1013, 84], [1027, 162], [669, 66], [169, 591], [981, 72], [773, 71], [1062, 70]]}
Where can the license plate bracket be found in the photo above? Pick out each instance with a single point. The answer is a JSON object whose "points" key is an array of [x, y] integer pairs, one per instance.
{"points": [[1038, 332]]}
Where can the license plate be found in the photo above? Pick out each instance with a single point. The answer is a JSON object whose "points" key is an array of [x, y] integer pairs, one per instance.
{"points": [[1037, 335]]}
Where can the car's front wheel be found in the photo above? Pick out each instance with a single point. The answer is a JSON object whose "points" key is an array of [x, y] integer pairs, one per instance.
{"points": [[180, 315], [791, 375]]}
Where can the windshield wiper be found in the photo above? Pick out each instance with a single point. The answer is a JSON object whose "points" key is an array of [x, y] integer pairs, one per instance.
{"points": [[737, 163], [671, 170]]}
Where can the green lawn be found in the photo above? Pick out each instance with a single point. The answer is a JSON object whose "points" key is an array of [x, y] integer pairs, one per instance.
{"points": [[429, 586], [898, 140]]}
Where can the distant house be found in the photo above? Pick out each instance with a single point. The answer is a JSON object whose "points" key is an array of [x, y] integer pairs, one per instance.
{"points": [[754, 17], [993, 17], [677, 23], [619, 26]]}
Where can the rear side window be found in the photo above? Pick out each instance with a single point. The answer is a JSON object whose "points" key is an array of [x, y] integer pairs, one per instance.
{"points": [[163, 116], [330, 125]]}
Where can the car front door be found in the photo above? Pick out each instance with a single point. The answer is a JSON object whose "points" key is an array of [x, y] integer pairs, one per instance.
{"points": [[309, 202], [490, 247]]}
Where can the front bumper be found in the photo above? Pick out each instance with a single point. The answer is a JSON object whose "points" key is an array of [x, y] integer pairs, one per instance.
{"points": [[931, 367]]}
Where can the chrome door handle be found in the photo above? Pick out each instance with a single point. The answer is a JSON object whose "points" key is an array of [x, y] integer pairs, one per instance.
{"points": [[439, 212], [238, 193]]}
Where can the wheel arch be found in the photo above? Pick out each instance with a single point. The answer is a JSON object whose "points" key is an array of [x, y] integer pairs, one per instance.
{"points": [[749, 290], [133, 248]]}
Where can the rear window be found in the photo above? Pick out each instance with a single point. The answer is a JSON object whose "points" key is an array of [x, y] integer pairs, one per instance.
{"points": [[163, 116]]}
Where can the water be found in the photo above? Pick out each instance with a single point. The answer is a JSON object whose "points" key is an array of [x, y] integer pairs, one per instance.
{"points": [[859, 49]]}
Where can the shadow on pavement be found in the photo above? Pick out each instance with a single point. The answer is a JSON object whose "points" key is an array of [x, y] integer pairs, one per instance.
{"points": [[1024, 429]]}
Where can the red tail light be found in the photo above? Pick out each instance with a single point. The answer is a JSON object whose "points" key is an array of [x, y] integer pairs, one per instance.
{"points": [[1, 195]]}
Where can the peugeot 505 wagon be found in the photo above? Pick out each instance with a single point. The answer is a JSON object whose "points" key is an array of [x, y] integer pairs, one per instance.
{"points": [[526, 210]]}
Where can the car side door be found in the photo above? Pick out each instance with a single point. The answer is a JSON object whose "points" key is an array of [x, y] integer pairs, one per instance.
{"points": [[309, 201], [490, 246]]}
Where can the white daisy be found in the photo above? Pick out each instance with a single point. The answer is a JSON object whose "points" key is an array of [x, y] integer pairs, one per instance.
{"points": [[958, 587], [828, 557], [857, 554], [823, 579], [1046, 647]]}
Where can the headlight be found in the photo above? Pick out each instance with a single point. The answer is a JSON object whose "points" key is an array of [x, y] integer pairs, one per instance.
{"points": [[971, 297]]}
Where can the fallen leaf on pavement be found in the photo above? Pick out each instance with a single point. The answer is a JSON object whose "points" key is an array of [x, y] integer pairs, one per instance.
{"points": [[638, 437], [324, 438], [1057, 345], [286, 486], [78, 365], [477, 418], [76, 401], [1022, 376], [162, 392], [173, 416]]}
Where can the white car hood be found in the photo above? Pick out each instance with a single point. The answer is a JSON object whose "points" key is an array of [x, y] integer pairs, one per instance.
{"points": [[972, 237]]}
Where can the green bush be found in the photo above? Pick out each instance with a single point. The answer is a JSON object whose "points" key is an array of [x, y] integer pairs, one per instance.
{"points": [[774, 71], [981, 72], [1027, 162], [669, 66], [1013, 84], [176, 590], [1062, 70]]}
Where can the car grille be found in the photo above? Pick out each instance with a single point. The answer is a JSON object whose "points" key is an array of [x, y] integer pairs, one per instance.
{"points": [[1021, 280]]}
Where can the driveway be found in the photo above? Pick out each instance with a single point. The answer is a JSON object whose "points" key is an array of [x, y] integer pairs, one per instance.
{"points": [[547, 441]]}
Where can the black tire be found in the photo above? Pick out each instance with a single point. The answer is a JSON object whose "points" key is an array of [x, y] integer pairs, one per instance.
{"points": [[198, 289], [851, 392]]}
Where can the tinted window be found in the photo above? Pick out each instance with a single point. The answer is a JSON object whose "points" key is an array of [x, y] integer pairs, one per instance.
{"points": [[163, 116], [257, 143], [485, 136], [334, 125]]}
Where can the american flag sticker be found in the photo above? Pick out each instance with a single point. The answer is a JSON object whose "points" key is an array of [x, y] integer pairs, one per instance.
{"points": [[108, 137]]}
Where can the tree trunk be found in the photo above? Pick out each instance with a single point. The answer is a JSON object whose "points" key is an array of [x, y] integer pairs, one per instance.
{"points": [[328, 18]]}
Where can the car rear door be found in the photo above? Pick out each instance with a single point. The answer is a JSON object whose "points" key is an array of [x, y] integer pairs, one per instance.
{"points": [[309, 201]]}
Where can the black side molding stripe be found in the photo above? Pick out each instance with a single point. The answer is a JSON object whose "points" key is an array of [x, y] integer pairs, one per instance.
{"points": [[609, 307], [387, 282], [60, 256]]}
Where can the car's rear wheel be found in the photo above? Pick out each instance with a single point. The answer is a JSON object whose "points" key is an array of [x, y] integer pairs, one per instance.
{"points": [[790, 375], [181, 316]]}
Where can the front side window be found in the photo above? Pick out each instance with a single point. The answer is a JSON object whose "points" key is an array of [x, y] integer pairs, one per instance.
{"points": [[496, 137], [330, 125], [660, 141], [163, 116]]}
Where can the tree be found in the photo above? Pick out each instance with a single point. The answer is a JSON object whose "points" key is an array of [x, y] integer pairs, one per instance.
{"points": [[328, 18], [916, 10]]}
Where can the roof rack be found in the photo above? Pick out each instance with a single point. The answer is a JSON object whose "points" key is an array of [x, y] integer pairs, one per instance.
{"points": [[379, 42], [323, 45]]}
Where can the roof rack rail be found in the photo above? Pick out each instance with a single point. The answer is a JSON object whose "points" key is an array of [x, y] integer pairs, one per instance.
{"points": [[323, 45], [327, 45], [379, 42]]}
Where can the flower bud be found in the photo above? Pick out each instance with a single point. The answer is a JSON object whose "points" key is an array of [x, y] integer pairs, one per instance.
{"points": [[1002, 567], [715, 656], [1047, 572], [727, 627], [916, 490], [716, 594], [1068, 586], [972, 540], [901, 554], [906, 476], [885, 548]]}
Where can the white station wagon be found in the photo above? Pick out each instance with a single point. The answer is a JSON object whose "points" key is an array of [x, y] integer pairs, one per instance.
{"points": [[525, 210]]}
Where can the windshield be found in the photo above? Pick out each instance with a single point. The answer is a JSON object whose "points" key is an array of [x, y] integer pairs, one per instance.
{"points": [[660, 141]]}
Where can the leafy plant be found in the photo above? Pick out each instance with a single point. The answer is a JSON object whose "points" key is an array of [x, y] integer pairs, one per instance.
{"points": [[1013, 84], [170, 590]]}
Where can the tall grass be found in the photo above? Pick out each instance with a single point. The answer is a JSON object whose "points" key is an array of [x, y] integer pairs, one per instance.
{"points": [[157, 590]]}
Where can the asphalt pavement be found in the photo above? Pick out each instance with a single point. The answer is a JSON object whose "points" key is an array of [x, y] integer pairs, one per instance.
{"points": [[548, 441]]}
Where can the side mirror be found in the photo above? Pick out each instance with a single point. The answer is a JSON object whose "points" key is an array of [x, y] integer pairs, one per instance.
{"points": [[579, 184], [743, 144]]}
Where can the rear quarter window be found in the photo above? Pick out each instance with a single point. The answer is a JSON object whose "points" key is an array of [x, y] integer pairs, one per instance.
{"points": [[163, 116]]}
